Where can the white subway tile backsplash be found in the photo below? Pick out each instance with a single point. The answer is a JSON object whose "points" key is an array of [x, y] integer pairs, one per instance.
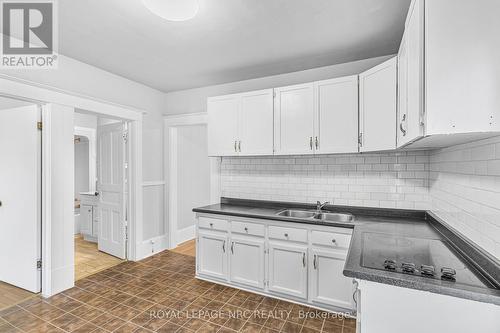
{"points": [[375, 180]]}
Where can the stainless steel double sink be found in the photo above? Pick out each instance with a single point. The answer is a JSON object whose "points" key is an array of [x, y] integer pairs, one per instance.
{"points": [[316, 215]]}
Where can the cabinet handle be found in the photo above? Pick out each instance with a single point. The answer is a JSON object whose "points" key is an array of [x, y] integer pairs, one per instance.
{"points": [[239, 146], [355, 293], [315, 264], [232, 247], [401, 125], [224, 247], [360, 139], [304, 259], [235, 146], [311, 142], [316, 142]]}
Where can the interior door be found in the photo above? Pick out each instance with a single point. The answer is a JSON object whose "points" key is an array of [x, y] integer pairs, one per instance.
{"points": [[223, 125], [256, 123], [294, 119], [20, 197], [247, 262], [111, 186], [337, 115]]}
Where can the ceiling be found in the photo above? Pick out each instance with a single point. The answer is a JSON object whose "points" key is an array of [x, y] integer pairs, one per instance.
{"points": [[229, 40]]}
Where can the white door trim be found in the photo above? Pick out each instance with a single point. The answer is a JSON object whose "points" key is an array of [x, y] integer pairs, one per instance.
{"points": [[41, 94], [171, 125]]}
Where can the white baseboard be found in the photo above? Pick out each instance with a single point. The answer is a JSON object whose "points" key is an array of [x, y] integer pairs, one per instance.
{"points": [[185, 234], [151, 246]]}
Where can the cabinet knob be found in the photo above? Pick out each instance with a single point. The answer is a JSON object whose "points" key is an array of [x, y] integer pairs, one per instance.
{"points": [[211, 225], [286, 235], [246, 229], [334, 241]]}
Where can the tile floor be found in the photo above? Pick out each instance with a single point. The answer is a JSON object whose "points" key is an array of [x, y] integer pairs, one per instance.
{"points": [[89, 260], [11, 295], [160, 294], [188, 248]]}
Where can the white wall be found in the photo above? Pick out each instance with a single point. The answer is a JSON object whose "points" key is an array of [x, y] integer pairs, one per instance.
{"points": [[85, 120], [195, 100], [193, 174], [465, 190]]}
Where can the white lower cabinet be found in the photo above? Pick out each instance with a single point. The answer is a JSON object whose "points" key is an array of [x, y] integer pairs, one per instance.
{"points": [[246, 259], [212, 254], [299, 262], [327, 283], [288, 269]]}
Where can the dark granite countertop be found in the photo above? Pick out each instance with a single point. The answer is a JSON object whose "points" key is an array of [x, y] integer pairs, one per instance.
{"points": [[398, 222]]}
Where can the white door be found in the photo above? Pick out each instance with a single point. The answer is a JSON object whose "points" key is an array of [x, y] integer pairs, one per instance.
{"points": [[247, 262], [223, 125], [328, 285], [111, 186], [294, 119], [377, 109], [20, 197], [212, 255], [288, 269], [256, 123], [337, 115]]}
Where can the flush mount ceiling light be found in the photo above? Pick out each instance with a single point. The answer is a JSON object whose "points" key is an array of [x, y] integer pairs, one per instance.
{"points": [[173, 10]]}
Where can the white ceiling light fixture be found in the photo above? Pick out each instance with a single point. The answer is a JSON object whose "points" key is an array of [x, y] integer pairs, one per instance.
{"points": [[173, 10]]}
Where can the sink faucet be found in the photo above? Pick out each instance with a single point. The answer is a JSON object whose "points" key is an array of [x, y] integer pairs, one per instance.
{"points": [[319, 205]]}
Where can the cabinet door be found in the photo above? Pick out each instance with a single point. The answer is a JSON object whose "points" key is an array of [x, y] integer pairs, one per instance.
{"points": [[294, 119], [86, 219], [95, 222], [337, 115], [212, 255], [328, 285], [411, 76], [288, 269], [256, 123], [223, 125], [247, 262], [377, 109]]}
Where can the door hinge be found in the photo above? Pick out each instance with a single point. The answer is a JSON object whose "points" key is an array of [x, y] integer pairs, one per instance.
{"points": [[360, 139], [125, 136], [39, 125], [39, 264]]}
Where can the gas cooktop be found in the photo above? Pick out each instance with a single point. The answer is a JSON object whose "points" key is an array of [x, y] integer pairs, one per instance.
{"points": [[428, 258]]}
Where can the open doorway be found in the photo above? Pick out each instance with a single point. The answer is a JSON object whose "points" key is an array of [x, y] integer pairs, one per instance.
{"points": [[20, 201], [100, 195]]}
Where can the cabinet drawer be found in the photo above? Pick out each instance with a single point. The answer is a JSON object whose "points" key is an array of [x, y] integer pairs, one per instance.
{"points": [[212, 224], [330, 239], [247, 228], [291, 234]]}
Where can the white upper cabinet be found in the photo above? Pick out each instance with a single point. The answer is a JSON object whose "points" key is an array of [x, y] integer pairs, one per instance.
{"points": [[241, 124], [337, 115], [411, 77], [256, 123], [294, 119], [377, 108], [462, 67], [223, 115]]}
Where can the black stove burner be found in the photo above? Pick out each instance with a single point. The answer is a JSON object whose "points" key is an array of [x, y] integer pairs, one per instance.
{"points": [[408, 267], [427, 270], [448, 274], [390, 265]]}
